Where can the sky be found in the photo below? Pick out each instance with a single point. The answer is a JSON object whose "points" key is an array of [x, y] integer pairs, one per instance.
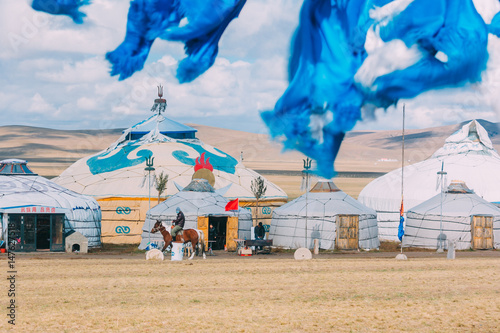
{"points": [[53, 73]]}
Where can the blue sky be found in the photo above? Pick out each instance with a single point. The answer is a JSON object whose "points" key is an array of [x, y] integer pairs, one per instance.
{"points": [[53, 73]]}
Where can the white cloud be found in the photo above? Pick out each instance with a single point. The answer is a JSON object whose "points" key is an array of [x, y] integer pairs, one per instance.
{"points": [[40, 105], [88, 70]]}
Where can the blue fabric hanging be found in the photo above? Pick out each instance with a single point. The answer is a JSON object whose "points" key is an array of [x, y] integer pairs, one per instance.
{"points": [[325, 95], [494, 26], [401, 230], [70, 8], [197, 23]]}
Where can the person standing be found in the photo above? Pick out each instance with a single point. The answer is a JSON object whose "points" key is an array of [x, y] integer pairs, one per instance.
{"points": [[212, 236], [259, 232]]}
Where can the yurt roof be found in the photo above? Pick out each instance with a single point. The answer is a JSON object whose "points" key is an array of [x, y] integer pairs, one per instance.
{"points": [[456, 203], [467, 155], [15, 167], [195, 202], [323, 203], [33, 190], [119, 171], [165, 126]]}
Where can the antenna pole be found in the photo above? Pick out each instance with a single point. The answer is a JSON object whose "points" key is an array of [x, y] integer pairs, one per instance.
{"points": [[307, 166], [441, 175]]}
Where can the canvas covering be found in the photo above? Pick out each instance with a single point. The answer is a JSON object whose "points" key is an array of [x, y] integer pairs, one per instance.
{"points": [[83, 213], [193, 204], [468, 155], [119, 171], [117, 178], [423, 224], [288, 224]]}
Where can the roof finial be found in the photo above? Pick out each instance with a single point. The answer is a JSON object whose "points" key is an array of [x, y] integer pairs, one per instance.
{"points": [[160, 103], [160, 91]]}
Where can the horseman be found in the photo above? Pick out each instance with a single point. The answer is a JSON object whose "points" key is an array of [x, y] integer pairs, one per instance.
{"points": [[178, 223]]}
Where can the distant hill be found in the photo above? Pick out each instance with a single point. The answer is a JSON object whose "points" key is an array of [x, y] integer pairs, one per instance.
{"points": [[50, 151]]}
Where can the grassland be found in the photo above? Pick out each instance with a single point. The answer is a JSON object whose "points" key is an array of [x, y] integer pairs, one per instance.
{"points": [[125, 293]]}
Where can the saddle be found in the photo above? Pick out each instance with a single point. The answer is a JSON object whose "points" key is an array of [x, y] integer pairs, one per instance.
{"points": [[180, 233]]}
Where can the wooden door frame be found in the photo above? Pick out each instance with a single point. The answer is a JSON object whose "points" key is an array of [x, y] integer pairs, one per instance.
{"points": [[473, 230], [337, 223]]}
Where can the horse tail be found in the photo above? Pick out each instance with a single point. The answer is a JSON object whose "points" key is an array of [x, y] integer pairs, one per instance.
{"points": [[202, 243]]}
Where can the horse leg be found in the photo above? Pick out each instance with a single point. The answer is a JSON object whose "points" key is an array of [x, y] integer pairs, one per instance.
{"points": [[192, 253], [168, 242]]}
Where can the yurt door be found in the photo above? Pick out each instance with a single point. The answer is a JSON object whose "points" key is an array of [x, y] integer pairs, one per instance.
{"points": [[482, 232], [232, 233], [347, 237], [57, 232], [22, 228], [203, 226]]}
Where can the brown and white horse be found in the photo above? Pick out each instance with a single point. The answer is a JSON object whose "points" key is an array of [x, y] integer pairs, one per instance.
{"points": [[196, 237]]}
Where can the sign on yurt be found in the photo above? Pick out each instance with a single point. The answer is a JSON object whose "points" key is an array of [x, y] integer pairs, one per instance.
{"points": [[457, 215], [122, 177], [467, 154], [202, 206], [328, 215], [37, 213]]}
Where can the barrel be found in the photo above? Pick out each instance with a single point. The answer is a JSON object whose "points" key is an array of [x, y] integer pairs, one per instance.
{"points": [[177, 251]]}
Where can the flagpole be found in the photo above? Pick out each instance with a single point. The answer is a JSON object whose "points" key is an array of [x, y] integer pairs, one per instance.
{"points": [[403, 168], [401, 256]]}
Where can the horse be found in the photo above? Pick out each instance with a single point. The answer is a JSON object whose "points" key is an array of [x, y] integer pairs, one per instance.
{"points": [[196, 237]]}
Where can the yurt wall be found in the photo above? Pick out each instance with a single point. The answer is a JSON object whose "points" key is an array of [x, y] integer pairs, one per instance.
{"points": [[467, 155]]}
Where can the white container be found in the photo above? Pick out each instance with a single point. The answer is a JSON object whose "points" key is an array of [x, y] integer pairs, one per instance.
{"points": [[177, 251]]}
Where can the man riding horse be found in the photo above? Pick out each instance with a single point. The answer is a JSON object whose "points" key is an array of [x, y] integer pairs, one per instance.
{"points": [[178, 223]]}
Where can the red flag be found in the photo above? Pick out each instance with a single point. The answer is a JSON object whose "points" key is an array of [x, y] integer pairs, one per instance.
{"points": [[401, 210], [233, 205]]}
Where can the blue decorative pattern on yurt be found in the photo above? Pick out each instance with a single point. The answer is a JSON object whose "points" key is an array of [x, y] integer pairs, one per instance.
{"points": [[117, 160]]}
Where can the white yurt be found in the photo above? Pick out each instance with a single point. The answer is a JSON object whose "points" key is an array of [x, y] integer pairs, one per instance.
{"points": [[467, 154], [201, 206], [122, 178], [37, 213], [458, 215], [328, 214]]}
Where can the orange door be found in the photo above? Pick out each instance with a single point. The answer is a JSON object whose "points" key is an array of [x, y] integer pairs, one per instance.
{"points": [[231, 233], [203, 226]]}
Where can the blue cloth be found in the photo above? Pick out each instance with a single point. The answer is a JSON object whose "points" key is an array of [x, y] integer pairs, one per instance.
{"points": [[70, 8], [324, 99], [205, 21], [494, 26], [401, 230]]}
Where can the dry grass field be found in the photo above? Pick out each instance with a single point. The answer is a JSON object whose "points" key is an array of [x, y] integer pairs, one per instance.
{"points": [[274, 293]]}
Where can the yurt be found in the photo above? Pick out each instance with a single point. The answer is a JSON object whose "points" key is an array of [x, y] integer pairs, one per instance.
{"points": [[328, 214], [468, 155], [123, 177], [37, 214], [458, 215], [201, 206]]}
